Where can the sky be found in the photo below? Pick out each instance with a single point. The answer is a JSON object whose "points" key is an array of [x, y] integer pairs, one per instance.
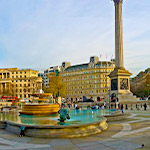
{"points": [[38, 34]]}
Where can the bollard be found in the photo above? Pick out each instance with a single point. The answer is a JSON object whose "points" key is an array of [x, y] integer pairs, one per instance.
{"points": [[126, 107]]}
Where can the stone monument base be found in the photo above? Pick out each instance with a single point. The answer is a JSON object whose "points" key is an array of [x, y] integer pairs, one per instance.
{"points": [[127, 98]]}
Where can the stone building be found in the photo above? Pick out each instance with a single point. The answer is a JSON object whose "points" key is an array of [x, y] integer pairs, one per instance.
{"points": [[140, 85], [89, 79], [48, 72], [21, 83]]}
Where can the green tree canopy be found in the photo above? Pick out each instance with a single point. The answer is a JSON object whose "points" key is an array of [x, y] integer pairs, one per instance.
{"points": [[56, 86]]}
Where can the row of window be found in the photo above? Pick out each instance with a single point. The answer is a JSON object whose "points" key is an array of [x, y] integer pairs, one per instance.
{"points": [[19, 76], [84, 77], [23, 95], [18, 72], [89, 86], [79, 73], [21, 80], [88, 82], [23, 90], [87, 92], [21, 85]]}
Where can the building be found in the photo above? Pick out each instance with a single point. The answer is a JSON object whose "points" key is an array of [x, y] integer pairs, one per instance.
{"points": [[41, 74], [21, 83], [89, 79], [140, 85], [48, 72]]}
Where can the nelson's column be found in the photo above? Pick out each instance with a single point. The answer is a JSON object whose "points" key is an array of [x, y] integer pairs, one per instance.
{"points": [[120, 83]]}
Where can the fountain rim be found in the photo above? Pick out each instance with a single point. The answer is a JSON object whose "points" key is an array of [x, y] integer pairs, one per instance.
{"points": [[54, 126]]}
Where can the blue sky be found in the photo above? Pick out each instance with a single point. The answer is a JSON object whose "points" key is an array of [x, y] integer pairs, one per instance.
{"points": [[42, 33]]}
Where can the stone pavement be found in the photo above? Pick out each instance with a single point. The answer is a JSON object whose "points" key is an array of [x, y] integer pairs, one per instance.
{"points": [[129, 134]]}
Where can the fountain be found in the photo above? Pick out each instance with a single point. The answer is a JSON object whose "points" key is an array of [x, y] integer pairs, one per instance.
{"points": [[81, 123], [40, 105]]}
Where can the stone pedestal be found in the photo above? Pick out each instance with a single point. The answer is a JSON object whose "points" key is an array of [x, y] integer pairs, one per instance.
{"points": [[120, 85]]}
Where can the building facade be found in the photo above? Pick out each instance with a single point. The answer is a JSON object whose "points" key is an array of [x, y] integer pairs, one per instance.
{"points": [[21, 83], [140, 85], [48, 72], [90, 79], [41, 74]]}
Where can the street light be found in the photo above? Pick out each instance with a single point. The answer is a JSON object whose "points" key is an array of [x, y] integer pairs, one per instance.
{"points": [[109, 97], [148, 89]]}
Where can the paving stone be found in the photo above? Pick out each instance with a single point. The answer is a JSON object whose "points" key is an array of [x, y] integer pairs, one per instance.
{"points": [[49, 148], [97, 147], [67, 147], [39, 141], [87, 144], [22, 139], [60, 142], [122, 145]]}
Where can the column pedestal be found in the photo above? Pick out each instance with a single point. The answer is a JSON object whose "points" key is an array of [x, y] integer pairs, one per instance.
{"points": [[120, 85]]}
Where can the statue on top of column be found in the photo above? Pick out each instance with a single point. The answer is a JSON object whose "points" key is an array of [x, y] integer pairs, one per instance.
{"points": [[117, 1]]}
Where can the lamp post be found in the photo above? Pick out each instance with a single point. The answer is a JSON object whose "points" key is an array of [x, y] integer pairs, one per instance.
{"points": [[109, 97], [148, 89]]}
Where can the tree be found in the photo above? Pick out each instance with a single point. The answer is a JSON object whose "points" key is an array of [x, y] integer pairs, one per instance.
{"points": [[45, 89], [56, 86]]}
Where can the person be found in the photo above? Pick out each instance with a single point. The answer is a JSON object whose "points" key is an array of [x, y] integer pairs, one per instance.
{"points": [[97, 107], [22, 129], [117, 99], [93, 107], [145, 106], [121, 107], [75, 105], [1, 109], [102, 107], [105, 105]]}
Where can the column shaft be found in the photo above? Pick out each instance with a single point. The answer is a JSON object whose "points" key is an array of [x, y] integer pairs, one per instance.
{"points": [[118, 36]]}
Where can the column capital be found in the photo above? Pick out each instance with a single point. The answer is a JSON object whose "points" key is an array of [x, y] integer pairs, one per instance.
{"points": [[118, 1]]}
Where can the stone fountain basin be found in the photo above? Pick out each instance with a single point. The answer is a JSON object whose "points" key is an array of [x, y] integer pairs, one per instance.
{"points": [[50, 131]]}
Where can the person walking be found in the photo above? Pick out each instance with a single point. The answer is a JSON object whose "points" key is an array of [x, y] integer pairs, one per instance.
{"points": [[121, 107], [22, 129], [145, 106]]}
